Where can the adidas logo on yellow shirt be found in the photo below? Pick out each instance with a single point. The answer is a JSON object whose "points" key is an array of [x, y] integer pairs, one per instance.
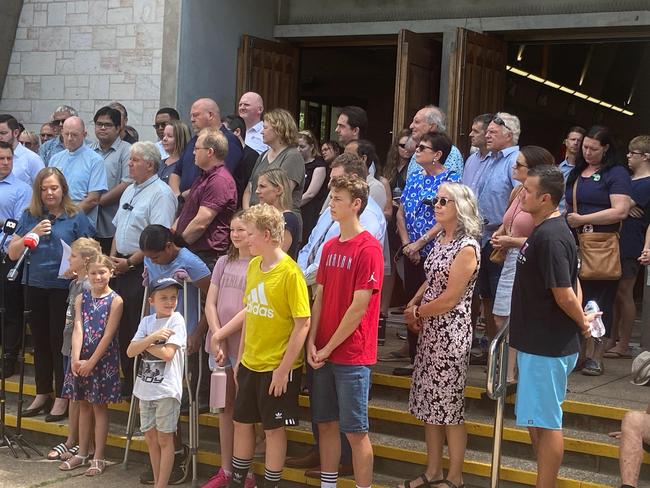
{"points": [[257, 303]]}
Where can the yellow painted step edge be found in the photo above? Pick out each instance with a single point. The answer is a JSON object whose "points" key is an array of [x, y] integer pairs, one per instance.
{"points": [[381, 413]]}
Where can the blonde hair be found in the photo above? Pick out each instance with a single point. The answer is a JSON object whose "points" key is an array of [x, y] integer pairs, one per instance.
{"points": [[36, 203], [282, 122], [86, 247], [266, 218], [181, 135], [469, 220], [278, 178], [309, 138], [101, 260]]}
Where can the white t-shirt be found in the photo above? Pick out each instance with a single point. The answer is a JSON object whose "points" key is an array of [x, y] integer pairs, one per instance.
{"points": [[157, 378]]}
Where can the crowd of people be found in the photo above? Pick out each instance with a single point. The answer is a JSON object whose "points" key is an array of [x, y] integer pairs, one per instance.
{"points": [[292, 249]]}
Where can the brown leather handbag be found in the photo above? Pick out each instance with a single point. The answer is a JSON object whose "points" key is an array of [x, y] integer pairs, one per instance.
{"points": [[599, 252]]}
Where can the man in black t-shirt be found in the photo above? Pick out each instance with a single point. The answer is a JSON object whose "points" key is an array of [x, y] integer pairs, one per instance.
{"points": [[546, 319]]}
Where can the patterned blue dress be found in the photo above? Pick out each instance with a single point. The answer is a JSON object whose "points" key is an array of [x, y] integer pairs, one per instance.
{"points": [[102, 386]]}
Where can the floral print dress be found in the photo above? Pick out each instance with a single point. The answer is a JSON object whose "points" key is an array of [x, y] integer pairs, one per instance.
{"points": [[102, 386], [438, 388]]}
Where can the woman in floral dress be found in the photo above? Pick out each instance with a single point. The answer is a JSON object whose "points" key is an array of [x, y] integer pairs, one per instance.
{"points": [[440, 312]]}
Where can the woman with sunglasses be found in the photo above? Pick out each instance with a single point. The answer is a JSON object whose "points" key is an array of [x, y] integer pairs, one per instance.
{"points": [[511, 235], [440, 313], [416, 221], [53, 217]]}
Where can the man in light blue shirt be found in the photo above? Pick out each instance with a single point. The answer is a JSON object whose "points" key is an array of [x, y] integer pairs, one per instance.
{"points": [[26, 164], [432, 119], [55, 145], [14, 199], [82, 167], [115, 153], [476, 162], [250, 109], [572, 144], [493, 192]]}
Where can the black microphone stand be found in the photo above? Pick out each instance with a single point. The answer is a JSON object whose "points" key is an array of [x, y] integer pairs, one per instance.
{"points": [[4, 439], [18, 438]]}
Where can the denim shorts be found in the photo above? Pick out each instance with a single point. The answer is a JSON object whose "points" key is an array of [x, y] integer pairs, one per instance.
{"points": [[542, 389], [160, 414], [340, 392]]}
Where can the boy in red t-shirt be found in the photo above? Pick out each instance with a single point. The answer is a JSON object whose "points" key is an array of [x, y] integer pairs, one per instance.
{"points": [[342, 342]]}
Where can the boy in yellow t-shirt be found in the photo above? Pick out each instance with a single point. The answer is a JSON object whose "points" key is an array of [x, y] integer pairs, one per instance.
{"points": [[271, 349]]}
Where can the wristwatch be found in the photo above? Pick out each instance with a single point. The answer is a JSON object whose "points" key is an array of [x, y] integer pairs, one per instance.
{"points": [[129, 264], [416, 312]]}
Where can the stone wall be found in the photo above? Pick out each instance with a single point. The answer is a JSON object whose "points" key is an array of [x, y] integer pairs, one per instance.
{"points": [[85, 53]]}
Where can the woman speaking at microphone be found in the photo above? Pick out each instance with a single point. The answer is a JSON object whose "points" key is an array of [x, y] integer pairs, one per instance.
{"points": [[53, 217]]}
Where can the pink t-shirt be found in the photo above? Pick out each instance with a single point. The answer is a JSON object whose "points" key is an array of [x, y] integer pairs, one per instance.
{"points": [[516, 222], [230, 277]]}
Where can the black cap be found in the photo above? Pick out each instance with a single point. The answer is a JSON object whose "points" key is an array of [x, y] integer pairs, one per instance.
{"points": [[162, 283]]}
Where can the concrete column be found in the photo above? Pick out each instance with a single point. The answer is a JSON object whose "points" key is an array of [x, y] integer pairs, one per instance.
{"points": [[8, 24], [448, 50]]}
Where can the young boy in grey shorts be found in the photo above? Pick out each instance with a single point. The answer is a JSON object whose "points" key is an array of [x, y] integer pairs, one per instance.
{"points": [[160, 340]]}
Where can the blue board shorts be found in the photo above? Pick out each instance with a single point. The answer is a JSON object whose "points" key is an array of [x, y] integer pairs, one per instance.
{"points": [[542, 389]]}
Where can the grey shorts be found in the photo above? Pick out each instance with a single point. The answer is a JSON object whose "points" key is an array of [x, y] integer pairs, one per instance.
{"points": [[159, 414]]}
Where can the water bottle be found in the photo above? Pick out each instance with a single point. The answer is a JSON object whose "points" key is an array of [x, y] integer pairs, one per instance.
{"points": [[218, 381], [596, 326]]}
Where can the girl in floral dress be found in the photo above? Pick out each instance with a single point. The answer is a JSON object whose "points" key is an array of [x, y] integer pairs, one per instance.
{"points": [[93, 378]]}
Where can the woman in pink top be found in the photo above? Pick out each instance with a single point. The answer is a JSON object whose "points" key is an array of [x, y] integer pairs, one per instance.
{"points": [[512, 234], [223, 305]]}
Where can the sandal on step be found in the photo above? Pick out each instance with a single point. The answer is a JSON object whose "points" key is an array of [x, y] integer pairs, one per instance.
{"points": [[73, 463], [71, 452], [425, 483], [97, 467]]}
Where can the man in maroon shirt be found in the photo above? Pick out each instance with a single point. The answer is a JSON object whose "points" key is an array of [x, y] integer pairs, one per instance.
{"points": [[204, 222], [342, 341]]}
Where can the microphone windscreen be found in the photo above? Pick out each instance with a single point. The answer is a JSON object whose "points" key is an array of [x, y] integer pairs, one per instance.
{"points": [[31, 240]]}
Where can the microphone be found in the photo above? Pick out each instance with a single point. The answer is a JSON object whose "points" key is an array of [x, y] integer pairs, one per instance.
{"points": [[31, 242], [8, 228], [51, 218]]}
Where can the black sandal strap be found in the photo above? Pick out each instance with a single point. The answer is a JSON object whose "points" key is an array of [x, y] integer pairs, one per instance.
{"points": [[422, 477]]}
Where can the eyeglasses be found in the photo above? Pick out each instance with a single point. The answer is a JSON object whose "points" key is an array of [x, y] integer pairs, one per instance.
{"points": [[441, 200], [403, 146], [638, 153], [501, 122], [422, 147], [104, 125], [519, 165], [57, 122], [197, 148], [160, 125]]}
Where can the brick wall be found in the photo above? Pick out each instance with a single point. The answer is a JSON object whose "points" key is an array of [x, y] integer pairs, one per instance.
{"points": [[85, 53]]}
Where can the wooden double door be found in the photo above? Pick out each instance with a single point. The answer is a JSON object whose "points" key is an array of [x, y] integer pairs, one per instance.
{"points": [[476, 77]]}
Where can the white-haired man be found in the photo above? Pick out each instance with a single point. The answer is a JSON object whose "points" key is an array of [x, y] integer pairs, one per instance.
{"points": [[55, 145]]}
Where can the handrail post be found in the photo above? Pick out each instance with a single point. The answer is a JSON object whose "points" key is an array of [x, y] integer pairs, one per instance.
{"points": [[496, 390]]}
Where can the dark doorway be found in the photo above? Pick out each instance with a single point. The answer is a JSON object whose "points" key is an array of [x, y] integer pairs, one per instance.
{"points": [[553, 86], [332, 77]]}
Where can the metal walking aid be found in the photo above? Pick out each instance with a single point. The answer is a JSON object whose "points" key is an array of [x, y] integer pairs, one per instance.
{"points": [[133, 407], [193, 395], [497, 384]]}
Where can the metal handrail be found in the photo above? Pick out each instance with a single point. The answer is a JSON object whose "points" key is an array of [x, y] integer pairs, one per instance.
{"points": [[497, 384]]}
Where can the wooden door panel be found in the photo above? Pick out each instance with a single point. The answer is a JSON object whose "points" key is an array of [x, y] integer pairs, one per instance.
{"points": [[417, 78], [270, 69], [477, 82]]}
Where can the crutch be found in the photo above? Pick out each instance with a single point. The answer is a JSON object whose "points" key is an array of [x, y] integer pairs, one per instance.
{"points": [[133, 407], [193, 396]]}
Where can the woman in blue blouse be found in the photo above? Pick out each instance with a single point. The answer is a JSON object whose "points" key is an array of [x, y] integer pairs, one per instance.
{"points": [[603, 201], [416, 221], [54, 218]]}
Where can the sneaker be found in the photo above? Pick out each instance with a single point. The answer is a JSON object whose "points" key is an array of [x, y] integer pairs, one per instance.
{"points": [[250, 482], [593, 368], [181, 468], [219, 480]]}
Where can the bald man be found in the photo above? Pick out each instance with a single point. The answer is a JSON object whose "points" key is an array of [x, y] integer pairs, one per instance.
{"points": [[204, 114], [82, 167], [251, 107]]}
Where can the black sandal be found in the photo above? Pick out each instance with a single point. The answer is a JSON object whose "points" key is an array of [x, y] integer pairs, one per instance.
{"points": [[425, 482], [448, 483]]}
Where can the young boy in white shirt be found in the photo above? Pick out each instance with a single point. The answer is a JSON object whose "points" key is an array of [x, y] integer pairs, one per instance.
{"points": [[161, 340]]}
